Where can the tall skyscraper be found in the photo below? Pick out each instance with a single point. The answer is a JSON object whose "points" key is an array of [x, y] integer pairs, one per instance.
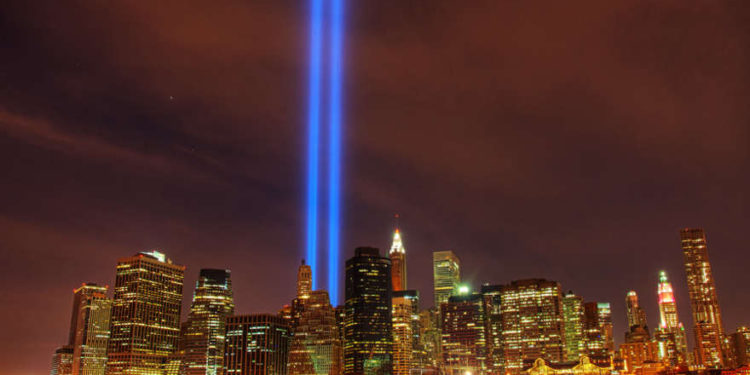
{"points": [[464, 336], [532, 315], [316, 345], [145, 326], [90, 329], [671, 334], [637, 324], [575, 343], [256, 345], [597, 327], [709, 330], [405, 330], [62, 361], [368, 338], [446, 275], [429, 338], [398, 262], [304, 281], [494, 326], [203, 335], [636, 315]]}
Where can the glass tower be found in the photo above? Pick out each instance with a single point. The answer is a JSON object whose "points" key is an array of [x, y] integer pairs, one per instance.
{"points": [[203, 337], [575, 344], [368, 338], [709, 331], [256, 345], [90, 332], [446, 275], [145, 326]]}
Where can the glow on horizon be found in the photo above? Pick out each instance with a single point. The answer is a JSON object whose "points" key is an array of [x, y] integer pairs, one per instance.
{"points": [[334, 160], [313, 141]]}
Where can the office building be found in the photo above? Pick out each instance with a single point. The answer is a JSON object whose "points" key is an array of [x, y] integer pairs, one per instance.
{"points": [[446, 275], [704, 301], [464, 336], [62, 361], [533, 328], [256, 345], [203, 334], [671, 334], [316, 343], [398, 262], [405, 315], [575, 342], [368, 337], [145, 324], [90, 329]]}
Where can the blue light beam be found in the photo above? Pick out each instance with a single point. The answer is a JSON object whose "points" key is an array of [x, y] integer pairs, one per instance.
{"points": [[313, 136], [334, 139]]}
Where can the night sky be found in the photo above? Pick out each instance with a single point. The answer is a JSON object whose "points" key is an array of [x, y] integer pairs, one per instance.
{"points": [[563, 140]]}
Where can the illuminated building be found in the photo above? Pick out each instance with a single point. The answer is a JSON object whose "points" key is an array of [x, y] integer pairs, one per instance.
{"points": [[532, 316], [90, 329], [304, 281], [638, 349], [575, 343], [316, 344], [203, 337], [583, 367], [398, 262], [145, 326], [739, 343], [464, 339], [256, 345], [368, 338], [405, 330], [494, 326], [597, 327], [62, 361], [429, 339], [636, 315], [446, 275], [709, 330], [671, 334]]}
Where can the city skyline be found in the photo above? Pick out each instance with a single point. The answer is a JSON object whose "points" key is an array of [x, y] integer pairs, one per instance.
{"points": [[569, 143]]}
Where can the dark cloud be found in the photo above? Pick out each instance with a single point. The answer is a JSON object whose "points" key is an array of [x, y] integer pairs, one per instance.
{"points": [[560, 140]]}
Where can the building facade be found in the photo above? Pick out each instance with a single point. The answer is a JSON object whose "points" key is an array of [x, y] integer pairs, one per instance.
{"points": [[316, 344], [597, 328], [575, 343], [62, 361], [203, 334], [256, 345], [709, 331], [405, 315], [446, 275], [145, 325], [90, 329], [671, 334], [464, 336], [368, 337], [532, 316]]}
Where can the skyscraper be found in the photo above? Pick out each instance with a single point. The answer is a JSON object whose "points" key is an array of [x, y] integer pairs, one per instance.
{"points": [[446, 275], [429, 339], [405, 330], [597, 327], [532, 315], [368, 339], [304, 281], [709, 330], [575, 343], [494, 326], [316, 345], [256, 345], [464, 336], [398, 262], [62, 361], [636, 315], [637, 324], [90, 329], [145, 327], [671, 334], [203, 337]]}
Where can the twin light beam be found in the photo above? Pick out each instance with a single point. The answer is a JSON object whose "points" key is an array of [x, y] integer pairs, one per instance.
{"points": [[331, 16]]}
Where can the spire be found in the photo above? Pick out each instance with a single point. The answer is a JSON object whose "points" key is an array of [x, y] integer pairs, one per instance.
{"points": [[397, 246]]}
